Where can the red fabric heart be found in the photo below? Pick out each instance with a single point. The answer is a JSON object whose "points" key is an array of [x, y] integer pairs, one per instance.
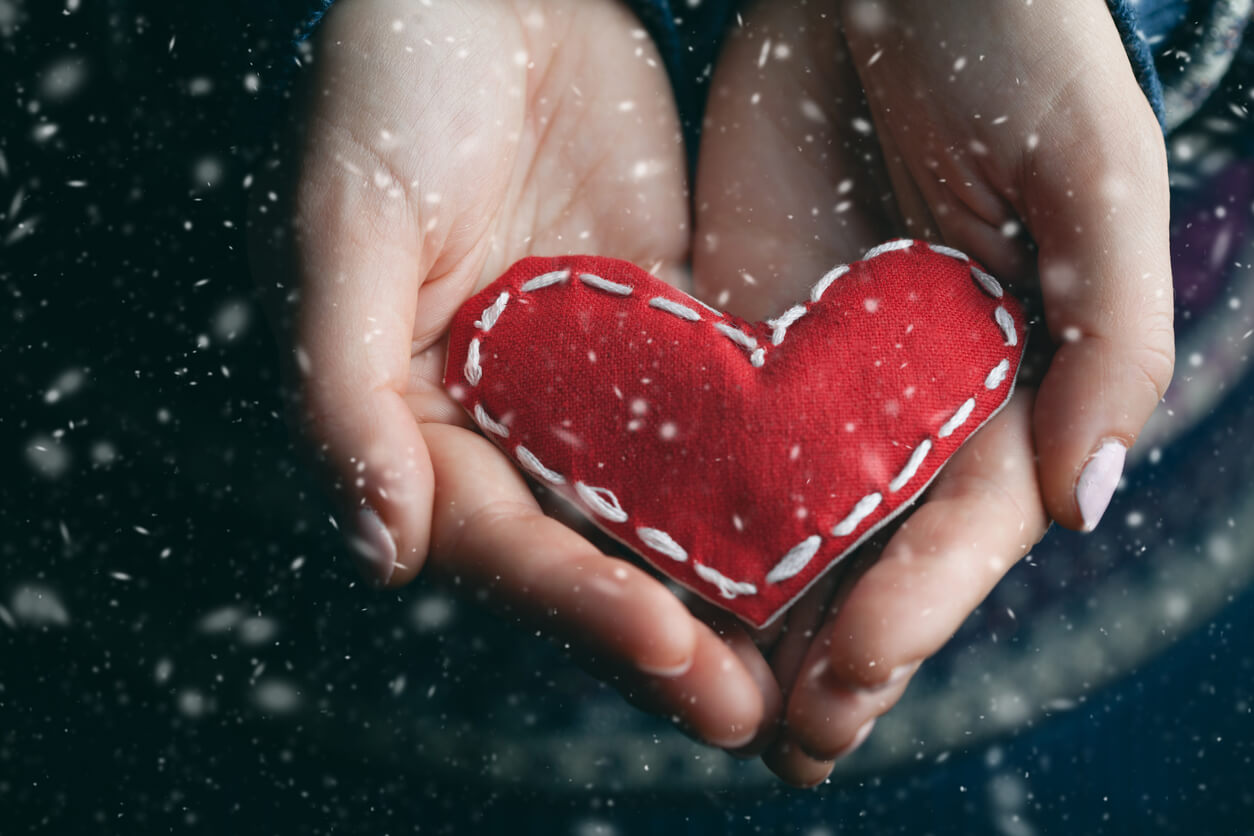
{"points": [[742, 460]]}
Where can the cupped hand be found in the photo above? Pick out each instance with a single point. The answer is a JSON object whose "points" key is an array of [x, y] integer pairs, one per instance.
{"points": [[1017, 133], [438, 143]]}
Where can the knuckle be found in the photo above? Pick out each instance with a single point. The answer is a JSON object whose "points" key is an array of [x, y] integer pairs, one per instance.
{"points": [[1154, 363]]}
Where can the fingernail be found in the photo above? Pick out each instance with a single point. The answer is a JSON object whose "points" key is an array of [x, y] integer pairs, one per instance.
{"points": [[666, 671], [374, 548], [859, 737], [1098, 481], [735, 741]]}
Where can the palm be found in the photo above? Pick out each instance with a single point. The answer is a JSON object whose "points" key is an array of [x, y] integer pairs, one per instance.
{"points": [[437, 148], [855, 143]]}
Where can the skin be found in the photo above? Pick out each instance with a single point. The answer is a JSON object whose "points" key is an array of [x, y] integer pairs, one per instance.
{"points": [[1038, 156], [394, 204]]}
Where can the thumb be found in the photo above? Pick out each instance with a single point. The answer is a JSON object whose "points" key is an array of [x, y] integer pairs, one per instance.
{"points": [[351, 253], [1098, 209]]}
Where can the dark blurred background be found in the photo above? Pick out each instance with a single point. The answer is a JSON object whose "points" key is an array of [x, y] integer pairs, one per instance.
{"points": [[183, 646]]}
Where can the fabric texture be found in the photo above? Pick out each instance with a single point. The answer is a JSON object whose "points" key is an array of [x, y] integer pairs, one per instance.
{"points": [[740, 459]]}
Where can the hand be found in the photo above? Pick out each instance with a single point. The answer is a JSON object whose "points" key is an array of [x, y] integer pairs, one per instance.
{"points": [[1016, 133], [437, 144]]}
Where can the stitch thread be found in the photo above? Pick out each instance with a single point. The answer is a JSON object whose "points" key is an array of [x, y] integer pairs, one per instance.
{"points": [[608, 286], [474, 372], [757, 358], [997, 375], [488, 423], [737, 336], [781, 325], [1007, 324], [492, 312], [911, 468], [798, 558], [888, 247], [602, 501], [662, 542], [533, 466], [544, 280], [681, 311], [991, 286], [949, 251], [821, 286], [860, 512], [957, 419], [727, 587]]}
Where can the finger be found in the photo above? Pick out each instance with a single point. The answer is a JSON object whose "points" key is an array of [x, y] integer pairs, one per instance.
{"points": [[1099, 212], [983, 513], [348, 277], [785, 189], [722, 699], [489, 535], [794, 766], [736, 637], [802, 622]]}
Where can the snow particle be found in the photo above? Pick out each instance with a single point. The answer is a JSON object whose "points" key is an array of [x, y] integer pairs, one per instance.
{"points": [[811, 111], [48, 456], [231, 320], [38, 606], [275, 696], [63, 78], [431, 613]]}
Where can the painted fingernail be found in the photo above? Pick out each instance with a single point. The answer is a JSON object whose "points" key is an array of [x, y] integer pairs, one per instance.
{"points": [[373, 547], [1098, 481], [859, 737]]}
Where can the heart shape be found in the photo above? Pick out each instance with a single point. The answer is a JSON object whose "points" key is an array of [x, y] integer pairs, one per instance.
{"points": [[742, 460]]}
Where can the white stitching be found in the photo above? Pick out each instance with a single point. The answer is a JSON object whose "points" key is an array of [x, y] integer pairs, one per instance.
{"points": [[602, 501], [781, 325], [941, 249], [1007, 324], [911, 468], [798, 558], [860, 512], [957, 419], [533, 466], [662, 542], [991, 286], [608, 286], [757, 358], [737, 336], [888, 247], [489, 423], [492, 312], [681, 311], [544, 280], [474, 372], [726, 586], [997, 375], [821, 286]]}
